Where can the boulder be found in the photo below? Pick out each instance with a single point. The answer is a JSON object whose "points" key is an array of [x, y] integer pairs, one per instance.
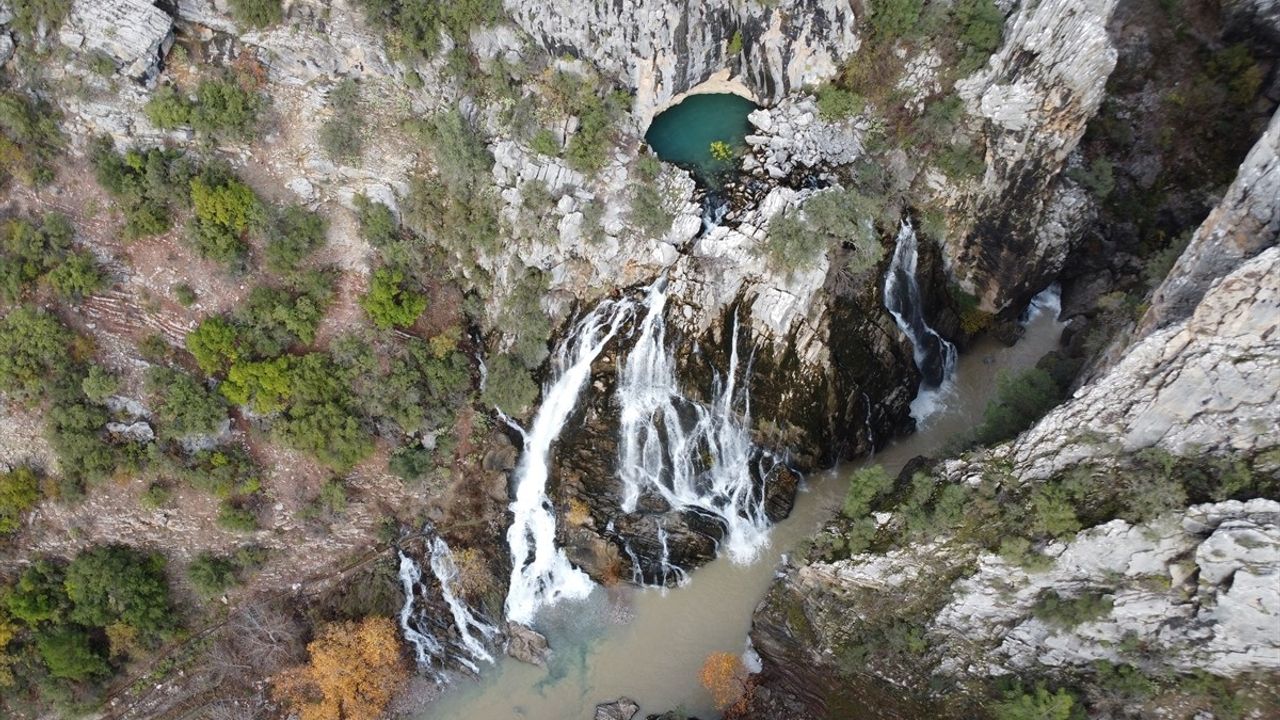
{"points": [[527, 645], [621, 709], [134, 34]]}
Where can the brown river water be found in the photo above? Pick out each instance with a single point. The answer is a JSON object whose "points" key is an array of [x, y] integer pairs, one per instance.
{"points": [[648, 644]]}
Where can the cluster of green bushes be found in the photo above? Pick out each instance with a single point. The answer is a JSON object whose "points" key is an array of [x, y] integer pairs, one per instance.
{"points": [[257, 13], [1020, 400], [975, 26], [837, 218], [226, 472], [221, 107], [456, 209], [648, 206], [389, 303], [225, 210], [184, 407], [30, 140], [77, 623], [31, 254], [292, 235], [597, 110], [342, 136], [149, 184], [413, 27]]}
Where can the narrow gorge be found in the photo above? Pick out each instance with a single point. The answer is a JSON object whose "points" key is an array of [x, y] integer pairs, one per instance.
{"points": [[738, 359]]}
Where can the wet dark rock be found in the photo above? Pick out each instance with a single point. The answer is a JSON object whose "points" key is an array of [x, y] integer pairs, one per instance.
{"points": [[621, 709], [527, 645]]}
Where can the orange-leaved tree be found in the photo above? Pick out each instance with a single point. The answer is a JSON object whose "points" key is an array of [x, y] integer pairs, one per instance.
{"points": [[728, 681], [354, 670]]}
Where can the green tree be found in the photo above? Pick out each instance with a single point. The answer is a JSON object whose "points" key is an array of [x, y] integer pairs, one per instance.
{"points": [[295, 233], [33, 350], [212, 574], [215, 343], [115, 583], [389, 303], [78, 277], [1020, 400], [1039, 704], [69, 654], [38, 596], [510, 386], [184, 406], [264, 386], [19, 492], [225, 208]]}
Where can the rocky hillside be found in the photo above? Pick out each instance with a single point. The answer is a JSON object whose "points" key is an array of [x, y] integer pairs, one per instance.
{"points": [[1121, 553]]}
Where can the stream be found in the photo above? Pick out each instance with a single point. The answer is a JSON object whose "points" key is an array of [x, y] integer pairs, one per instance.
{"points": [[649, 643]]}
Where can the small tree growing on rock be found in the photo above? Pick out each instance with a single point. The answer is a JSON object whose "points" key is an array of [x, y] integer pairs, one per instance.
{"points": [[355, 669], [729, 682]]}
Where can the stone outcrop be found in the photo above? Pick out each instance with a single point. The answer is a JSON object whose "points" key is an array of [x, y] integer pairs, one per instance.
{"points": [[133, 34], [620, 709], [791, 136], [1246, 222], [663, 48], [1032, 102]]}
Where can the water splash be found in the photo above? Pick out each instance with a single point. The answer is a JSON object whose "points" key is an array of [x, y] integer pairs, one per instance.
{"points": [[934, 356], [541, 574], [670, 573], [694, 456]]}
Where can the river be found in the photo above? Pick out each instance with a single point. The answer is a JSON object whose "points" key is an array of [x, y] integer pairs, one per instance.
{"points": [[648, 644]]}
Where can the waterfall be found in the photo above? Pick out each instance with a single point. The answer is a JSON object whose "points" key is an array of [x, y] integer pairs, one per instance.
{"points": [[466, 622], [934, 356], [1047, 300], [694, 456], [540, 572], [668, 570], [714, 208], [426, 648]]}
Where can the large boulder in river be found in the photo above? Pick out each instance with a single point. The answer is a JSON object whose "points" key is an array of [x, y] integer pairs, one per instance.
{"points": [[621, 709]]}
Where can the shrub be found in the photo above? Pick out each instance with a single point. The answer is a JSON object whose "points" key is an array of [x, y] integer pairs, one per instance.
{"points": [[1039, 704], [225, 208], [29, 137], [29, 253], [1072, 612], [414, 26], [150, 184], [19, 492], [509, 387], [321, 418], [263, 386], [981, 26], [961, 160], [115, 583], [835, 103], [211, 574], [1098, 178], [797, 239], [184, 407], [449, 209], [865, 486], [256, 13], [167, 109], [223, 107], [295, 233], [77, 277], [29, 15], [184, 294], [215, 343], [225, 472], [377, 222], [1020, 401], [98, 384], [38, 595], [892, 19], [271, 320], [1053, 512], [588, 149], [33, 350], [157, 495], [544, 142], [735, 44], [410, 462], [342, 136], [235, 518], [388, 303]]}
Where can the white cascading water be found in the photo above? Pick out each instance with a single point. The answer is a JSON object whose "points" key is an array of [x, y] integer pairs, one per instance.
{"points": [[540, 572], [934, 356], [674, 572], [694, 456], [430, 651], [426, 648], [474, 632], [1047, 300]]}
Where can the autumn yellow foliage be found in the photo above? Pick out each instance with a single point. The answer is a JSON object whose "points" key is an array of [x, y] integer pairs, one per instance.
{"points": [[355, 669], [727, 679]]}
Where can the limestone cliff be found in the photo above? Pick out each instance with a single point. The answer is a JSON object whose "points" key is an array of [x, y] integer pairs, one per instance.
{"points": [[1135, 526]]}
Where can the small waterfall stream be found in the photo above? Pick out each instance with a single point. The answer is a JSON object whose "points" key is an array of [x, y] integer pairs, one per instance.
{"points": [[694, 456], [934, 356], [429, 649], [541, 574]]}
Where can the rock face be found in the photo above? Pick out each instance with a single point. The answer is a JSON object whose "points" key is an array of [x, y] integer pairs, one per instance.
{"points": [[662, 48], [133, 34], [1199, 587], [1033, 100], [1246, 222]]}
